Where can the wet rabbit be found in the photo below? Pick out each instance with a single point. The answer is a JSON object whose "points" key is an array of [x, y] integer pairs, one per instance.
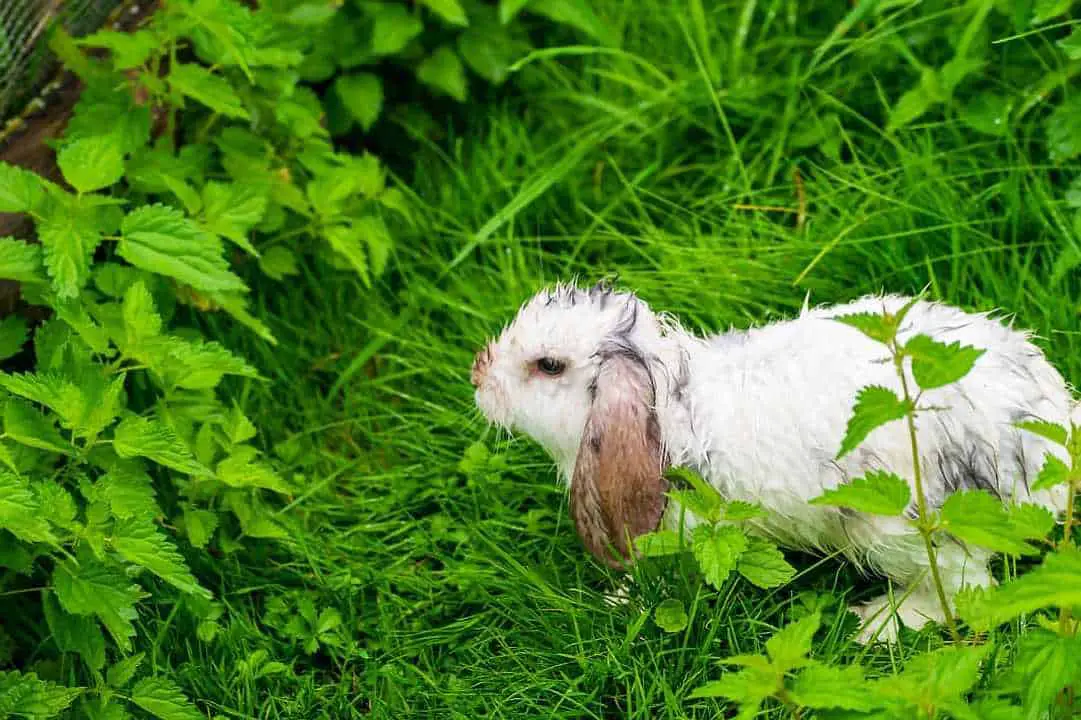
{"points": [[616, 392]]}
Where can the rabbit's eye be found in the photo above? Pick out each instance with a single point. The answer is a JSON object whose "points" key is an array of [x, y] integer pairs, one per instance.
{"points": [[550, 366]]}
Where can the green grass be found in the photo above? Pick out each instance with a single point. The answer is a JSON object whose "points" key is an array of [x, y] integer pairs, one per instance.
{"points": [[462, 589]]}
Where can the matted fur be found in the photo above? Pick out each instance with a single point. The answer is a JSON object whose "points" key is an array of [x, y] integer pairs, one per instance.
{"points": [[760, 414]]}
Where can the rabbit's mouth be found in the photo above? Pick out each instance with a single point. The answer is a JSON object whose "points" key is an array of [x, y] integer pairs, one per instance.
{"points": [[492, 403]]}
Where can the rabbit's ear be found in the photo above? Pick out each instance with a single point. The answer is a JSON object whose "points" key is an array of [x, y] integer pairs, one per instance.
{"points": [[618, 489]]}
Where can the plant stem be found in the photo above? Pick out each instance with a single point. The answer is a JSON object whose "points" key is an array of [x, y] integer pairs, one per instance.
{"points": [[1067, 540], [921, 501], [1067, 525], [792, 705]]}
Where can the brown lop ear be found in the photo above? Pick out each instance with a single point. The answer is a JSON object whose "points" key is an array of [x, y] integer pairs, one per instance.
{"points": [[618, 489]]}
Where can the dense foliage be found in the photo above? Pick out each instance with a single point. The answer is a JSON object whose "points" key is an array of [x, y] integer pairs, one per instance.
{"points": [[220, 488], [199, 146]]}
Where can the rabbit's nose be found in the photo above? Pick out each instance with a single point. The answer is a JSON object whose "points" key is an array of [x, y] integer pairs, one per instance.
{"points": [[480, 366]]}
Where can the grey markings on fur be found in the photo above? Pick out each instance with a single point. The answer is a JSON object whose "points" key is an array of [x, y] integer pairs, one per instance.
{"points": [[965, 467]]}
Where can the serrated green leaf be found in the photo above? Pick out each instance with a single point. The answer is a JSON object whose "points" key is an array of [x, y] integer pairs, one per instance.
{"points": [[54, 391], [717, 549], [24, 695], [92, 588], [1055, 583], [875, 406], [763, 564], [393, 28], [56, 504], [789, 646], [449, 10], [150, 438], [232, 210], [242, 470], [238, 427], [139, 542], [20, 510], [160, 239], [362, 95], [1047, 664], [109, 108], [825, 686], [738, 511], [935, 679], [1054, 472], [128, 492], [164, 700], [749, 687], [278, 262], [194, 364], [880, 327], [1047, 430], [141, 319], [1030, 521], [659, 543], [200, 526], [935, 364], [21, 261], [878, 492], [74, 633], [121, 673], [69, 243], [201, 85], [346, 241], [104, 401], [21, 191], [377, 237], [976, 517], [27, 426], [92, 163], [670, 615], [12, 336], [443, 71], [254, 518]]}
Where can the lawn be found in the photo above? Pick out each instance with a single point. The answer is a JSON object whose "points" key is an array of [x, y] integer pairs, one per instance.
{"points": [[727, 161]]}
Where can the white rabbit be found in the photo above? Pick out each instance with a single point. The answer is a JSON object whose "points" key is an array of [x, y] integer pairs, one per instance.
{"points": [[616, 393]]}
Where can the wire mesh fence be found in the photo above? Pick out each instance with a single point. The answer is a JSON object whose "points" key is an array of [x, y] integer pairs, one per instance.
{"points": [[25, 61]]}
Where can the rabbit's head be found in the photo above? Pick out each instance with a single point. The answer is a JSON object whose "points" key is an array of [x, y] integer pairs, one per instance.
{"points": [[577, 370]]}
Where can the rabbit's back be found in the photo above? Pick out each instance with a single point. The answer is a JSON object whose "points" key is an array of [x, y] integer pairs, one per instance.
{"points": [[764, 412]]}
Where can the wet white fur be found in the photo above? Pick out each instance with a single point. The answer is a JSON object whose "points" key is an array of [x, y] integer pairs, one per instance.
{"points": [[761, 414]]}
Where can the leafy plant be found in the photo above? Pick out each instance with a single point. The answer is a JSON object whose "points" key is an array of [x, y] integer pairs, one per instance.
{"points": [[942, 682], [197, 151], [719, 541]]}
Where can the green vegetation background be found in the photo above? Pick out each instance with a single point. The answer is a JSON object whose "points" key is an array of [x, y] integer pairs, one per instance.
{"points": [[376, 550]]}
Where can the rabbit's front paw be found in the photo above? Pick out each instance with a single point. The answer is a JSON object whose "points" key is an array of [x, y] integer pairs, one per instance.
{"points": [[621, 595], [879, 617]]}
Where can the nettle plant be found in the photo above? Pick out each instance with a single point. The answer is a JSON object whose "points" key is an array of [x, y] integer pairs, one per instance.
{"points": [[441, 44], [198, 147], [973, 677]]}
